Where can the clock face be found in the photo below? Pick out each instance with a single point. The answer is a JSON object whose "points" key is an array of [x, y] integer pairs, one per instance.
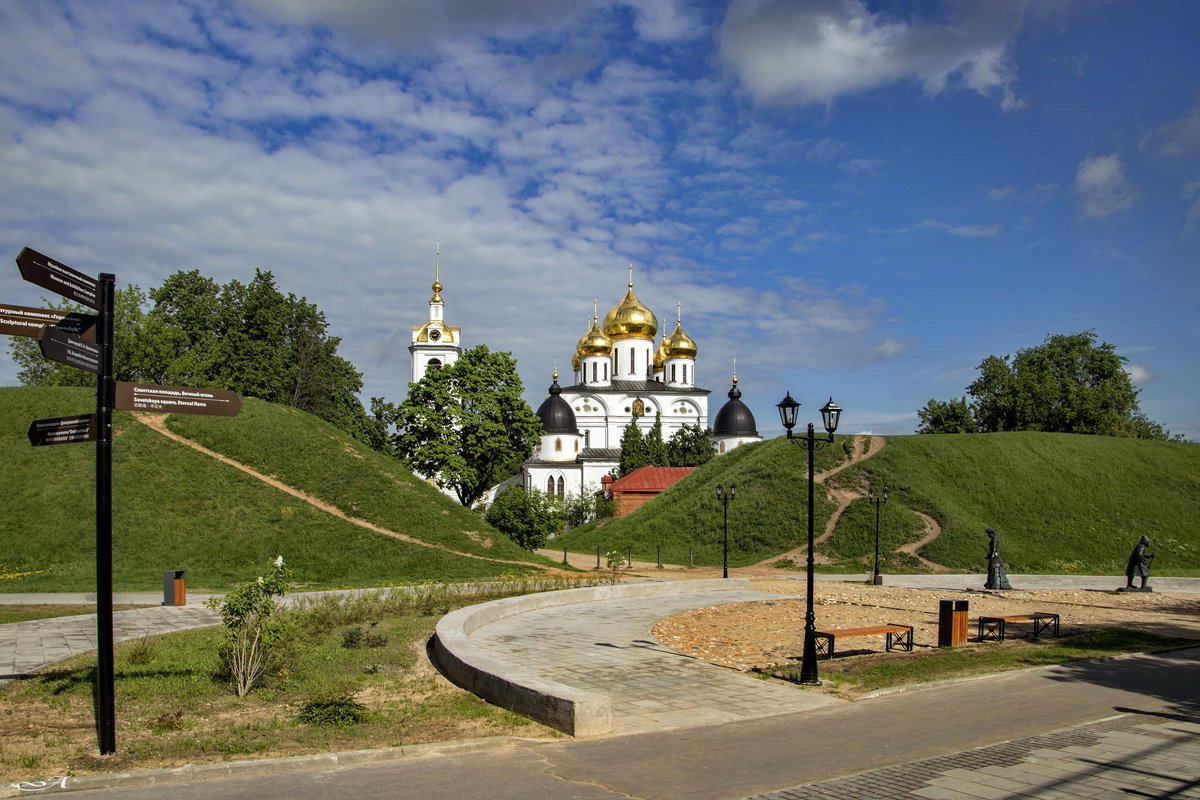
{"points": [[435, 334]]}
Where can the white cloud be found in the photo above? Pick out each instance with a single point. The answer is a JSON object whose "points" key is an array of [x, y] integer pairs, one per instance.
{"points": [[1175, 139], [805, 52], [1001, 192], [1138, 374], [1102, 188]]}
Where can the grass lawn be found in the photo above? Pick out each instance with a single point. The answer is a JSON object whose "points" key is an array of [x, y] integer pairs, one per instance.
{"points": [[355, 668]]}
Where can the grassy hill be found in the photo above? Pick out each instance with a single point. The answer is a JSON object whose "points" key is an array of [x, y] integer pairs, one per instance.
{"points": [[1061, 503], [175, 508]]}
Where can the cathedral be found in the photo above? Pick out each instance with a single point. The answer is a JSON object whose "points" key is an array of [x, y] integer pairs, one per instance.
{"points": [[623, 370]]}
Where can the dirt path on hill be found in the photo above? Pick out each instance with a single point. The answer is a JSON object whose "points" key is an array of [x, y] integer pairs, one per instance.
{"points": [[158, 422], [844, 497]]}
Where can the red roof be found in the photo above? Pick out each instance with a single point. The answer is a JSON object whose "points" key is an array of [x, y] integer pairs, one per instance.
{"points": [[650, 479]]}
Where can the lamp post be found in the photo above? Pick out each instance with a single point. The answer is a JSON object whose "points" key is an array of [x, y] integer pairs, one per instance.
{"points": [[830, 415], [878, 501], [725, 498]]}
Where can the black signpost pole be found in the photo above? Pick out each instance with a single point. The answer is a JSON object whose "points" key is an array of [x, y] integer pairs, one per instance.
{"points": [[106, 712]]}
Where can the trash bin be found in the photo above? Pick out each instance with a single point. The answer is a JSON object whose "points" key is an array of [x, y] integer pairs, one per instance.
{"points": [[952, 623], [175, 587]]}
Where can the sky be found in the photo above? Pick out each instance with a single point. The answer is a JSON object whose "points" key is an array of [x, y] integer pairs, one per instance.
{"points": [[856, 200]]}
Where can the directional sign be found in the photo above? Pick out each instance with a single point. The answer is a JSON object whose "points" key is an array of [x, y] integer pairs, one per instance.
{"points": [[49, 274], [24, 321], [67, 348], [176, 399], [63, 430]]}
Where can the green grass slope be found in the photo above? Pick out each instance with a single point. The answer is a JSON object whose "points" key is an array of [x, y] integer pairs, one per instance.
{"points": [[175, 508], [1061, 504], [768, 516]]}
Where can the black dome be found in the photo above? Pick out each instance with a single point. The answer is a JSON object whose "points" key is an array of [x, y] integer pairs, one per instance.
{"points": [[556, 414], [734, 418]]}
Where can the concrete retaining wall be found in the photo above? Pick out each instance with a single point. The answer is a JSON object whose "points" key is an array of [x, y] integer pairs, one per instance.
{"points": [[521, 688]]}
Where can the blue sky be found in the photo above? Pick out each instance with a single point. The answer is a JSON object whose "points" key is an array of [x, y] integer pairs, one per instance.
{"points": [[856, 200]]}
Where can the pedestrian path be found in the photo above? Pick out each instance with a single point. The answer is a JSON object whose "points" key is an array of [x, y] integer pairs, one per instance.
{"points": [[605, 647], [28, 646], [1130, 755]]}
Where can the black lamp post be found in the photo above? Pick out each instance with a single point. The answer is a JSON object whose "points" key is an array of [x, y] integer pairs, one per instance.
{"points": [[830, 415], [878, 501], [725, 498]]}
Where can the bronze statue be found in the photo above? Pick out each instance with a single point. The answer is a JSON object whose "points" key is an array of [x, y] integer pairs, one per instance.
{"points": [[1139, 566], [997, 578]]}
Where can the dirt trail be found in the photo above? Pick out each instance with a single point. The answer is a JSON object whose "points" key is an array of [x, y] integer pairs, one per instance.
{"points": [[158, 422], [844, 497]]}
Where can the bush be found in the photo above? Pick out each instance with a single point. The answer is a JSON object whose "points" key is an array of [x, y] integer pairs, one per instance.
{"points": [[336, 709], [253, 630]]}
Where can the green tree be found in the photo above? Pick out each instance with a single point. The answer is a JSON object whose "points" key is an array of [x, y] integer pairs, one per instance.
{"points": [[953, 416], [633, 449], [464, 424], [1067, 384], [690, 446], [656, 448], [252, 338], [529, 518]]}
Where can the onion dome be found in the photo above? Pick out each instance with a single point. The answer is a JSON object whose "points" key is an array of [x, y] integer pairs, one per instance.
{"points": [[555, 412], [594, 342], [680, 345], [630, 318], [734, 418], [660, 355]]}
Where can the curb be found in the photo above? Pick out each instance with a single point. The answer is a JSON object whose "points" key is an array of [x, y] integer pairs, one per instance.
{"points": [[197, 773]]}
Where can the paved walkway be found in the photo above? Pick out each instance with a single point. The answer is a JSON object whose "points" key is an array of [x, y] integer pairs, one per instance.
{"points": [[606, 647]]}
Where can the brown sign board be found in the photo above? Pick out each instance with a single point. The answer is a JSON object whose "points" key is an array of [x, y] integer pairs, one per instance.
{"points": [[67, 348], [24, 321], [50, 274], [176, 399], [63, 430]]}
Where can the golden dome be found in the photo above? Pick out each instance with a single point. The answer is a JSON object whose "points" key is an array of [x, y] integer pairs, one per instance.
{"points": [[594, 342], [680, 345], [629, 318], [660, 355]]}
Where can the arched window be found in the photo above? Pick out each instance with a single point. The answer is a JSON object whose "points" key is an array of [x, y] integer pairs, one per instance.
{"points": [[434, 363], [558, 445], [594, 365], [672, 373], [550, 485], [685, 373], [561, 487], [722, 447]]}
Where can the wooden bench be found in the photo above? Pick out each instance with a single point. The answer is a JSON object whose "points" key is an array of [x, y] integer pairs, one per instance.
{"points": [[992, 628], [897, 636]]}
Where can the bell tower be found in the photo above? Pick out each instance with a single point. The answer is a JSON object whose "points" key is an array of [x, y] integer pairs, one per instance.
{"points": [[434, 344]]}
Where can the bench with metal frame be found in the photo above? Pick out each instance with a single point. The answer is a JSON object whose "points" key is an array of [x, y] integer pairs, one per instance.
{"points": [[993, 628], [897, 636]]}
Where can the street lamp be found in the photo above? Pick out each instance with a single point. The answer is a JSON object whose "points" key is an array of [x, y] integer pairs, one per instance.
{"points": [[725, 498], [878, 501], [830, 416]]}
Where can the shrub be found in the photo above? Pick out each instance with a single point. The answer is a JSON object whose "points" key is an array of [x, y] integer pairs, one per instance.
{"points": [[335, 709], [253, 629]]}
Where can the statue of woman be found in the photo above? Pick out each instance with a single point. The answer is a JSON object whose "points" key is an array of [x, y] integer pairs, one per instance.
{"points": [[997, 578], [1139, 565]]}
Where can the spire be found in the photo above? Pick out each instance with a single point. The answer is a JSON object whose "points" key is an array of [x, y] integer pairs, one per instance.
{"points": [[678, 313], [735, 372], [437, 273]]}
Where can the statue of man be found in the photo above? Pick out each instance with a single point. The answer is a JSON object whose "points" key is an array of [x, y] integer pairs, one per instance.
{"points": [[1139, 564], [997, 578]]}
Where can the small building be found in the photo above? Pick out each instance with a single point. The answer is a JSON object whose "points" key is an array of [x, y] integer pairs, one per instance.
{"points": [[641, 486]]}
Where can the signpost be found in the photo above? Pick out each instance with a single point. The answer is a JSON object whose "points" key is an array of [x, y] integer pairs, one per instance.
{"points": [[67, 348], [85, 341], [25, 321], [177, 399], [57, 277], [63, 430]]}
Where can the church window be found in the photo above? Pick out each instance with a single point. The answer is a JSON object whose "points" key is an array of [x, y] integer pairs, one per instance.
{"points": [[594, 365], [561, 487], [605, 370], [558, 445], [685, 373], [616, 360], [722, 447], [672, 373], [550, 485], [632, 361], [434, 364], [576, 445], [587, 438]]}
